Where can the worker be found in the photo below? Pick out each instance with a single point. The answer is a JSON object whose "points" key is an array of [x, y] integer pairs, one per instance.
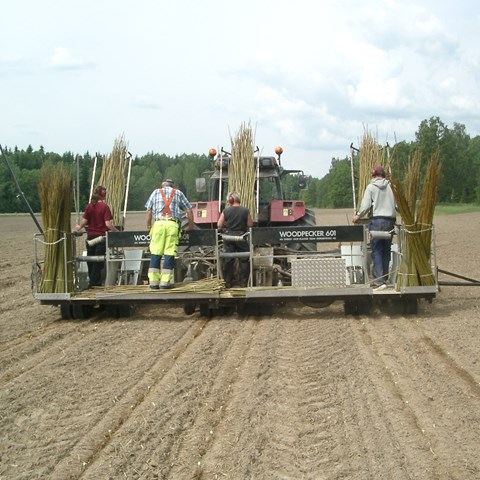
{"points": [[164, 211], [379, 202], [236, 220], [98, 220]]}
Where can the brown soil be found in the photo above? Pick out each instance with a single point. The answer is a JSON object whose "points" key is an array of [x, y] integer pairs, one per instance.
{"points": [[305, 394]]}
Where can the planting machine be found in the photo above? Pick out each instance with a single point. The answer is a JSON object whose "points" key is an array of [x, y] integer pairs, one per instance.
{"points": [[292, 259]]}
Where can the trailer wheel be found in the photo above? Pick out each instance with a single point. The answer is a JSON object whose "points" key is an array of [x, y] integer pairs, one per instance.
{"points": [[350, 307], [317, 303], [189, 308], [205, 310], [410, 306], [119, 311], [356, 307], [66, 311], [81, 312], [259, 309]]}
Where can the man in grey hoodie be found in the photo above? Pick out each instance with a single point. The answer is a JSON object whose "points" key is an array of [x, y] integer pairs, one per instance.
{"points": [[379, 202]]}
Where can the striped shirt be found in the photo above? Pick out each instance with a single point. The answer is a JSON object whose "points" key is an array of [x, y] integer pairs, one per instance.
{"points": [[156, 204]]}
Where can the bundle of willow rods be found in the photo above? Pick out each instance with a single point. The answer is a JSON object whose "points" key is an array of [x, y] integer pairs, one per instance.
{"points": [[113, 178], [55, 192], [415, 269], [370, 155], [241, 171], [412, 177]]}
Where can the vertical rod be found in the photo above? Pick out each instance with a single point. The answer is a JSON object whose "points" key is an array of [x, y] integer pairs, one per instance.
{"points": [[127, 188], [93, 178], [19, 190]]}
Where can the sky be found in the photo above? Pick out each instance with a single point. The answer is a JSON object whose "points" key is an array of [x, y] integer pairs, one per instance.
{"points": [[183, 76]]}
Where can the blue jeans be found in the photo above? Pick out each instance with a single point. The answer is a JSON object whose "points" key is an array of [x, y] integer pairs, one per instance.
{"points": [[381, 249]]}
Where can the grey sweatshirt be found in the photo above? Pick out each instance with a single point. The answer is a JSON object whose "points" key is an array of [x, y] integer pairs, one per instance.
{"points": [[378, 198]]}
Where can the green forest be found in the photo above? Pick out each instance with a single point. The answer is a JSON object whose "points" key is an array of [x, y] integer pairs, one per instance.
{"points": [[459, 155]]}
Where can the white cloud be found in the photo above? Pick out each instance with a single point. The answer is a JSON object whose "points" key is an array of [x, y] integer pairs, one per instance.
{"points": [[177, 76], [64, 59]]}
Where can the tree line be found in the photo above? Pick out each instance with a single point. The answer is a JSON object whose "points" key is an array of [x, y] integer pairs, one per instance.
{"points": [[459, 154]]}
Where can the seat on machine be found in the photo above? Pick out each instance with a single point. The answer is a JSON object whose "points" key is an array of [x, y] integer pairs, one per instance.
{"points": [[130, 268]]}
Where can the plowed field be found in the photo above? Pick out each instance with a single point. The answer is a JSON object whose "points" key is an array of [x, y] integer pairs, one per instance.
{"points": [[304, 394]]}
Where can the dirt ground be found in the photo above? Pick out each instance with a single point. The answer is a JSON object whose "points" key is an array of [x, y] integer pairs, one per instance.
{"points": [[305, 394]]}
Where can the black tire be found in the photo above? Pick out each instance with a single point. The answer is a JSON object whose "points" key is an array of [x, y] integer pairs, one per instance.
{"points": [[350, 307], [317, 303], [189, 308], [81, 312], [66, 311], [119, 311], [410, 306], [357, 307], [259, 309], [205, 310]]}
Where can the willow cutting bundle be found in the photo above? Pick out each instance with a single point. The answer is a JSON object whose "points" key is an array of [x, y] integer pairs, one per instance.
{"points": [[205, 285], [55, 192], [113, 178], [370, 155], [415, 268], [241, 171]]}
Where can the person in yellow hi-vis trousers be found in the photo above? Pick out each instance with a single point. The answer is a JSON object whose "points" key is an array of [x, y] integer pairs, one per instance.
{"points": [[164, 209]]}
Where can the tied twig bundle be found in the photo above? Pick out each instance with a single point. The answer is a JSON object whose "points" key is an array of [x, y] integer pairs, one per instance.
{"points": [[55, 192], [241, 171], [113, 178], [370, 155], [415, 269]]}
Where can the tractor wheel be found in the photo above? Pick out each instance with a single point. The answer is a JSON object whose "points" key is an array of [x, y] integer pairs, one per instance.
{"points": [[306, 221]]}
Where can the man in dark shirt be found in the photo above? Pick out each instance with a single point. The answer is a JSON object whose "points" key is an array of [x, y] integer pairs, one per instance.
{"points": [[236, 220]]}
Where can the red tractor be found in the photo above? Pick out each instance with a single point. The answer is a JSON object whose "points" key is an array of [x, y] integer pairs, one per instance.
{"points": [[272, 210], [272, 207]]}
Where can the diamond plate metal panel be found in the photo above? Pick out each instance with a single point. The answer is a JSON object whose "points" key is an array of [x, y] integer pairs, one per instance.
{"points": [[318, 272]]}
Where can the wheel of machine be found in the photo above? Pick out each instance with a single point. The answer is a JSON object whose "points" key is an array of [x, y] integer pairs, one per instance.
{"points": [[119, 311], [125, 310], [350, 307], [306, 221], [259, 309], [410, 306], [364, 307], [317, 303], [227, 310], [81, 312], [189, 308], [266, 309], [66, 311], [242, 309], [205, 310]]}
